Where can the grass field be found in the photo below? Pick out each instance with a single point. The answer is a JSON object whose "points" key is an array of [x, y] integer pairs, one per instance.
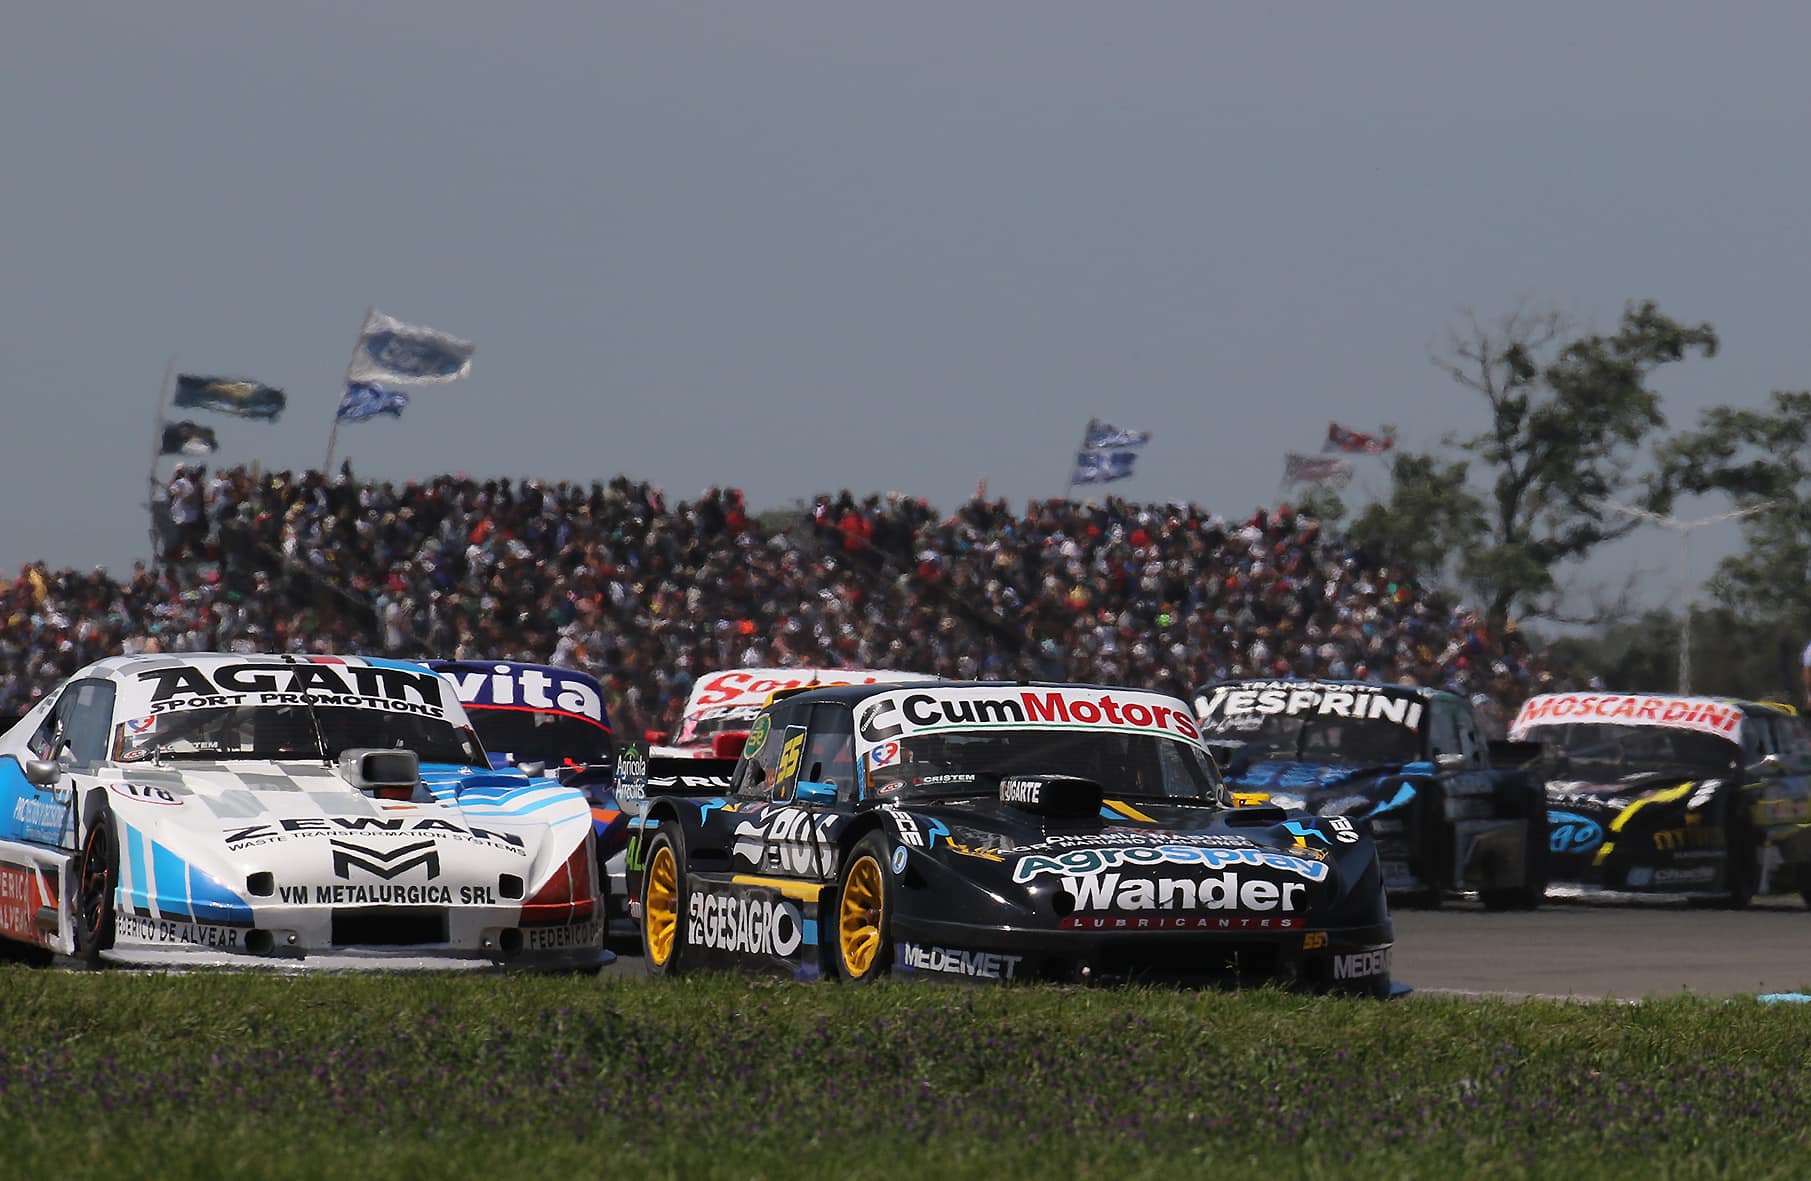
{"points": [[214, 1075]]}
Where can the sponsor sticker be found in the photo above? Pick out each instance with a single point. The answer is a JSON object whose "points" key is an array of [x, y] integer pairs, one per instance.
{"points": [[952, 961], [757, 736], [1118, 894], [1086, 862], [255, 683], [1181, 922], [517, 686], [145, 929], [904, 712], [1360, 964], [744, 925], [1702, 714], [1229, 707], [147, 794], [899, 860], [23, 892], [589, 934], [306, 827]]}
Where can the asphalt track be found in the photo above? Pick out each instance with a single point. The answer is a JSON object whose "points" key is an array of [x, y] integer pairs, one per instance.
{"points": [[1625, 950], [1586, 951]]}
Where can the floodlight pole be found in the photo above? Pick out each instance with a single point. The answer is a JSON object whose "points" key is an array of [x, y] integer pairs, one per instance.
{"points": [[1684, 529]]}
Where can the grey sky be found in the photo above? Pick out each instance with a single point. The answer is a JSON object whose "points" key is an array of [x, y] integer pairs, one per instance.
{"points": [[801, 247]]}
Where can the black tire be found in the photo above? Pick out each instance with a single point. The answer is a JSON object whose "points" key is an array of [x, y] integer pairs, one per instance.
{"points": [[1742, 865], [97, 878], [1433, 865], [663, 904], [865, 896], [1741, 862], [1528, 895]]}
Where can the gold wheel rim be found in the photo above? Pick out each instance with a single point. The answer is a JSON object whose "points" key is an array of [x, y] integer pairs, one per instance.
{"points": [[859, 917], [661, 907]]}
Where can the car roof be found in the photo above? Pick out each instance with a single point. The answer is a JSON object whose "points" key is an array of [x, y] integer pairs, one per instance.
{"points": [[117, 667], [1750, 707], [850, 694], [1423, 691], [512, 666]]}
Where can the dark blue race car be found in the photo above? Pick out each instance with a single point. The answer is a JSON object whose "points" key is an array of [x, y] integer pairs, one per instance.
{"points": [[1411, 762]]}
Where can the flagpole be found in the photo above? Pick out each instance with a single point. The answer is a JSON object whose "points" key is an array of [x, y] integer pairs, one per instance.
{"points": [[163, 401], [1073, 459], [334, 434]]}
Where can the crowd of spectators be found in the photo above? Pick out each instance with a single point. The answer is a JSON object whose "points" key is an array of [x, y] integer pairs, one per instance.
{"points": [[647, 594]]}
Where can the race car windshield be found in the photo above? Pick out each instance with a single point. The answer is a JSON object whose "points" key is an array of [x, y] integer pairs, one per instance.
{"points": [[538, 736], [705, 728], [1321, 738], [1615, 752], [1125, 765], [286, 732]]}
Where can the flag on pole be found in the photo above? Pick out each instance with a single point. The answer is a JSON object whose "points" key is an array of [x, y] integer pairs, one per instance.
{"points": [[389, 350], [240, 397], [1104, 435], [1353, 442], [1102, 467], [1316, 469], [188, 438], [363, 401]]}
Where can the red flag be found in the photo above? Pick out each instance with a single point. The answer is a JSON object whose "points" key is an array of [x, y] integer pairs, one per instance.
{"points": [[1353, 442]]}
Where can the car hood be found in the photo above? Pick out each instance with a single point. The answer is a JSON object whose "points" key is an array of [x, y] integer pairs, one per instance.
{"points": [[1142, 855], [1301, 777], [1617, 794], [303, 825]]}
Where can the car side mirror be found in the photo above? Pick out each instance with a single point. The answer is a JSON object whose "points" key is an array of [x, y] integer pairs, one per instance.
{"points": [[534, 769], [1769, 766], [43, 772]]}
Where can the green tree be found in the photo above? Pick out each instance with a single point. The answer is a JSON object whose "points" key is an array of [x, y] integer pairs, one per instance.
{"points": [[1758, 457], [1567, 423], [1431, 514]]}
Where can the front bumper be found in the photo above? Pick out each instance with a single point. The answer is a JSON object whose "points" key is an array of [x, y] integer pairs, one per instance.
{"points": [[1345, 959], [362, 938]]}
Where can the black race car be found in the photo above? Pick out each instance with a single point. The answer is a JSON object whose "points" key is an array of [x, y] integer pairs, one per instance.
{"points": [[1411, 763], [1655, 793], [1004, 832]]}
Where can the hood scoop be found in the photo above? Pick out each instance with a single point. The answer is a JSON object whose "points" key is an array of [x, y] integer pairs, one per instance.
{"points": [[392, 774], [1052, 795], [1255, 815]]}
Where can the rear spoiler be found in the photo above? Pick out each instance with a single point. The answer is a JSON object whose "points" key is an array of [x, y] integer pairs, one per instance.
{"points": [[641, 779]]}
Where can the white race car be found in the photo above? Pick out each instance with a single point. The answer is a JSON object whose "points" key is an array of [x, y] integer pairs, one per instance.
{"points": [[722, 705], [288, 812]]}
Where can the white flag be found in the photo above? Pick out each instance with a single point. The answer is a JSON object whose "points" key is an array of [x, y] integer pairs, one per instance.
{"points": [[1316, 469], [389, 350]]}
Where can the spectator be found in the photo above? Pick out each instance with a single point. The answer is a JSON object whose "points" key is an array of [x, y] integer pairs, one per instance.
{"points": [[609, 578]]}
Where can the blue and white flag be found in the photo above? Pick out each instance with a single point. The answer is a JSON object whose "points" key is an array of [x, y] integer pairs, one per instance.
{"points": [[364, 400], [389, 350], [1105, 434], [1101, 467]]}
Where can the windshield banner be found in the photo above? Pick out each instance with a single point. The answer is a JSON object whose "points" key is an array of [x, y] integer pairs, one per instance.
{"points": [[902, 713], [1241, 706], [528, 686], [745, 690], [320, 681], [1703, 714]]}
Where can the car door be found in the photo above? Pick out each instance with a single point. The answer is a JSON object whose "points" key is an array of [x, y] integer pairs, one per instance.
{"points": [[785, 830], [1786, 799], [72, 734]]}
